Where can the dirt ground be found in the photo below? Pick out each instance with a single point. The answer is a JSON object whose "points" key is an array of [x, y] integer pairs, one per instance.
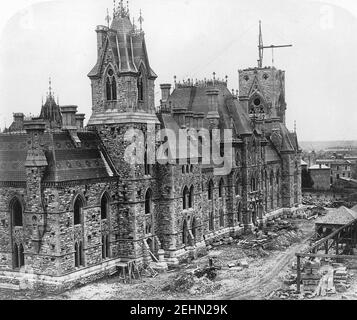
{"points": [[264, 274]]}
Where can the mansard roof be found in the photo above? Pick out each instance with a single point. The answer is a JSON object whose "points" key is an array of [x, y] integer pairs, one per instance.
{"points": [[66, 162], [194, 98], [127, 46]]}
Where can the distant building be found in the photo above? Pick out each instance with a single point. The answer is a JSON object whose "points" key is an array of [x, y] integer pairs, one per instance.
{"points": [[340, 168], [320, 175]]}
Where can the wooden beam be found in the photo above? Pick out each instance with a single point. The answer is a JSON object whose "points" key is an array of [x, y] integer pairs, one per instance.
{"points": [[332, 235], [331, 256]]}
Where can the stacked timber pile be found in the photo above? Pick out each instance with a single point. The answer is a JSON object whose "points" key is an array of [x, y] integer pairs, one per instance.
{"points": [[311, 277], [340, 278]]}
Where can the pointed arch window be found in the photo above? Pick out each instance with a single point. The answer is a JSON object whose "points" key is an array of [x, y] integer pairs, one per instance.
{"points": [[111, 86], [148, 202], [104, 206], [185, 198], [16, 213], [77, 211]]}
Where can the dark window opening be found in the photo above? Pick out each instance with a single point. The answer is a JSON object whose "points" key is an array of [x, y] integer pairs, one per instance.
{"points": [[148, 202], [77, 210], [21, 255], [16, 212], [211, 221], [191, 197], [147, 166], [78, 254], [76, 259], [185, 198], [140, 88], [256, 101], [210, 190], [111, 86], [18, 256], [104, 206], [105, 247]]}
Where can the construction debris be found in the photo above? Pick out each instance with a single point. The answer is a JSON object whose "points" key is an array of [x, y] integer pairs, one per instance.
{"points": [[319, 278]]}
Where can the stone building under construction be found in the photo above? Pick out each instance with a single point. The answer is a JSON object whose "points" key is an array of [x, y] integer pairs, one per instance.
{"points": [[72, 207]]}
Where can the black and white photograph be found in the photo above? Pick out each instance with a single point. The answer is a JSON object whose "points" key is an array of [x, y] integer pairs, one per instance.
{"points": [[177, 151]]}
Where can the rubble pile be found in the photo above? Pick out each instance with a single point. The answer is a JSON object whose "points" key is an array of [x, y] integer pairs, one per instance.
{"points": [[198, 281], [325, 202], [277, 235], [203, 285], [319, 278]]}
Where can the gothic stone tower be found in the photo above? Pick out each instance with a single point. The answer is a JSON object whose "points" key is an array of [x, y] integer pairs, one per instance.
{"points": [[123, 99], [262, 95]]}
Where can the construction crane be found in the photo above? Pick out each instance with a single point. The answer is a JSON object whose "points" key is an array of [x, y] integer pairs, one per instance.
{"points": [[262, 47]]}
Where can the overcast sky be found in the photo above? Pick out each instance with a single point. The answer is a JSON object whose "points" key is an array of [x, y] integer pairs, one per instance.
{"points": [[190, 38]]}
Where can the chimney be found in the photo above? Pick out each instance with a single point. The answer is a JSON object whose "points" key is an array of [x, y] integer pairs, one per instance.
{"points": [[101, 35], [200, 117], [165, 91], [19, 120], [179, 115], [213, 115], [35, 155], [79, 120], [189, 119], [244, 103], [69, 117]]}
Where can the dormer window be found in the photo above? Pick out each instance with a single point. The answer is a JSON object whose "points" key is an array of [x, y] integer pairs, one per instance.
{"points": [[111, 86]]}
